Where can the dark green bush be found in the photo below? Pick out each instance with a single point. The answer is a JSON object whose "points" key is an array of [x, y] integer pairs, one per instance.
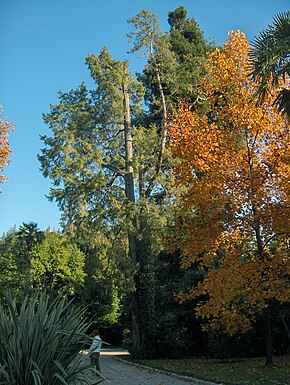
{"points": [[41, 342]]}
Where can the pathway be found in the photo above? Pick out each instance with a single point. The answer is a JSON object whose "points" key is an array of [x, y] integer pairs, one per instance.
{"points": [[118, 372]]}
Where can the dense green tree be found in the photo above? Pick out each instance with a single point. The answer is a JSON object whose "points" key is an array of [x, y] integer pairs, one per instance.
{"points": [[90, 155], [270, 58], [177, 332], [57, 265], [13, 267], [29, 235], [147, 38], [160, 71], [162, 80], [108, 274], [111, 170], [175, 60], [190, 48]]}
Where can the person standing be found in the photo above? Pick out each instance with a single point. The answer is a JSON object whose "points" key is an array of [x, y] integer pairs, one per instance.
{"points": [[95, 350]]}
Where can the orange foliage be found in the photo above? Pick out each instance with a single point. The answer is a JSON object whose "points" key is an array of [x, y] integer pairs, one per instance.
{"points": [[5, 127], [234, 160]]}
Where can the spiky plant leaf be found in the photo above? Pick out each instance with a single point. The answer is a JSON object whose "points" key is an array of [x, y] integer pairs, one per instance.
{"points": [[270, 55], [41, 342]]}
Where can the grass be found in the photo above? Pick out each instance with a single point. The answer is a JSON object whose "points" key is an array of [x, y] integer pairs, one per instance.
{"points": [[243, 371]]}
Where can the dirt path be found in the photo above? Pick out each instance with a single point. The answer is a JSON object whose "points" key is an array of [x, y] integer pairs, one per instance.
{"points": [[117, 372]]}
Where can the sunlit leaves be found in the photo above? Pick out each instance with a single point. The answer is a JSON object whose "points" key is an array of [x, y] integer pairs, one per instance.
{"points": [[57, 264], [234, 164]]}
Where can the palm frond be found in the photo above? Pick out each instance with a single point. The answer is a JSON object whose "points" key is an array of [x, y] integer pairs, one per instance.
{"points": [[270, 58], [282, 102]]}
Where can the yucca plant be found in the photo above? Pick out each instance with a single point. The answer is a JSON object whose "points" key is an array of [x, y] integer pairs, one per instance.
{"points": [[41, 343]]}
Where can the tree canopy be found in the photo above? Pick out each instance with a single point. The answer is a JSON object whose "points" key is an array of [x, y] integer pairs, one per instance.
{"points": [[234, 166], [110, 166]]}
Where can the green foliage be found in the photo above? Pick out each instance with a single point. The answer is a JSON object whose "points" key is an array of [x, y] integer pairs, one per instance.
{"points": [[270, 59], [74, 134], [85, 154], [176, 59], [159, 74], [87, 160], [177, 332], [190, 48], [29, 234], [41, 343], [105, 283], [145, 31], [177, 18], [270, 50], [186, 36], [14, 264], [56, 264], [162, 59]]}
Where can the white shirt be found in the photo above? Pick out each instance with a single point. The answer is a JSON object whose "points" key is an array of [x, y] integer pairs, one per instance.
{"points": [[96, 345]]}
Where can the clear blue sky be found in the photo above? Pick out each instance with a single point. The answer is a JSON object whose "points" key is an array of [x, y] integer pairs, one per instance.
{"points": [[43, 48]]}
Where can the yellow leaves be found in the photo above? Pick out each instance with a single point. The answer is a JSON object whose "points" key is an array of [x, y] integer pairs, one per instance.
{"points": [[229, 67], [234, 163], [239, 287]]}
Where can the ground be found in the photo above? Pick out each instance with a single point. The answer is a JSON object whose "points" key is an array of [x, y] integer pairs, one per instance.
{"points": [[118, 372]]}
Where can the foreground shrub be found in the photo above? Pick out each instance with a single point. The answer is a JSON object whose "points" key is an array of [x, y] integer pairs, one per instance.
{"points": [[41, 342]]}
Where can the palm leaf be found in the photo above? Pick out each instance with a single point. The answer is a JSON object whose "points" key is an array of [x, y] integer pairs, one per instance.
{"points": [[270, 58]]}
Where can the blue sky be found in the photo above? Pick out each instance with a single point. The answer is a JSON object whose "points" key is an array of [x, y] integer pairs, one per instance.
{"points": [[44, 44]]}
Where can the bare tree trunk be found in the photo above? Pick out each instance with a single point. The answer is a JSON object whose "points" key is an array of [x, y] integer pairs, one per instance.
{"points": [[129, 177], [268, 339], [267, 323], [132, 239], [257, 229], [163, 131], [139, 336]]}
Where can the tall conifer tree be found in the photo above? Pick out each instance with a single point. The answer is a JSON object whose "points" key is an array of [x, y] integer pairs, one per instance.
{"points": [[109, 165]]}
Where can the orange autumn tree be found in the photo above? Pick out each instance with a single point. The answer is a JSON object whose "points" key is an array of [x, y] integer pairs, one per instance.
{"points": [[5, 127], [234, 165]]}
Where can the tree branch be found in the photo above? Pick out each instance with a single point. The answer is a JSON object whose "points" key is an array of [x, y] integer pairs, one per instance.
{"points": [[114, 169], [163, 134]]}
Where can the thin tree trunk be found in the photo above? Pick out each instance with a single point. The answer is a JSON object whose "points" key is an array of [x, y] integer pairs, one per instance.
{"points": [[129, 177], [163, 131], [142, 185], [132, 239], [267, 323], [257, 229], [268, 339]]}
